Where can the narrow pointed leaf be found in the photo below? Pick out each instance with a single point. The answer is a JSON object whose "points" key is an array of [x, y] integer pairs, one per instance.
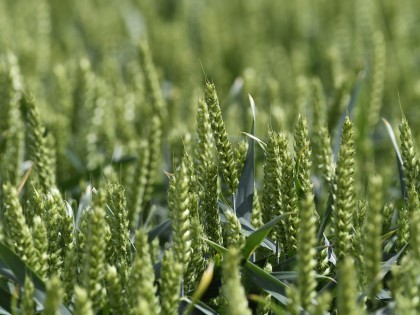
{"points": [[265, 281], [257, 237], [245, 193], [397, 154]]}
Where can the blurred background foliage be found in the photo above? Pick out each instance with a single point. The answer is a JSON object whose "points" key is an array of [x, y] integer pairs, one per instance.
{"points": [[80, 59]]}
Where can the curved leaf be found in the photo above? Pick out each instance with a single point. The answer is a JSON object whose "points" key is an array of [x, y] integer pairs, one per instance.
{"points": [[257, 237], [14, 269]]}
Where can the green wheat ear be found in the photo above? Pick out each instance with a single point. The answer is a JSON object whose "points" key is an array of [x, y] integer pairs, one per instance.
{"points": [[344, 195], [17, 232], [179, 213], [152, 81], [40, 238], [303, 155], [224, 148], [233, 235], [54, 297], [116, 298], [142, 277], [209, 203], [409, 157], [170, 282], [289, 197], [306, 261], [372, 232], [120, 237], [271, 198], [82, 303], [92, 273], [232, 289], [405, 289]]}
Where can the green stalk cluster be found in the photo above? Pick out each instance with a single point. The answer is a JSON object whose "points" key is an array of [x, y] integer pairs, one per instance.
{"points": [[224, 147], [344, 195]]}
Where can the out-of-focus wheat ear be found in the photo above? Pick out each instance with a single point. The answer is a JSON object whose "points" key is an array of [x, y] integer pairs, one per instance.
{"points": [[27, 299], [233, 232], [404, 285], [39, 152], [115, 293], [256, 219], [54, 296], [137, 186], [347, 289], [232, 289], [82, 303], [372, 235], [151, 80], [378, 79], [141, 279]]}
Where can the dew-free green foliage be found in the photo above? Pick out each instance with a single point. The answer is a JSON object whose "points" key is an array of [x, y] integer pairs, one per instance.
{"points": [[125, 129]]}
